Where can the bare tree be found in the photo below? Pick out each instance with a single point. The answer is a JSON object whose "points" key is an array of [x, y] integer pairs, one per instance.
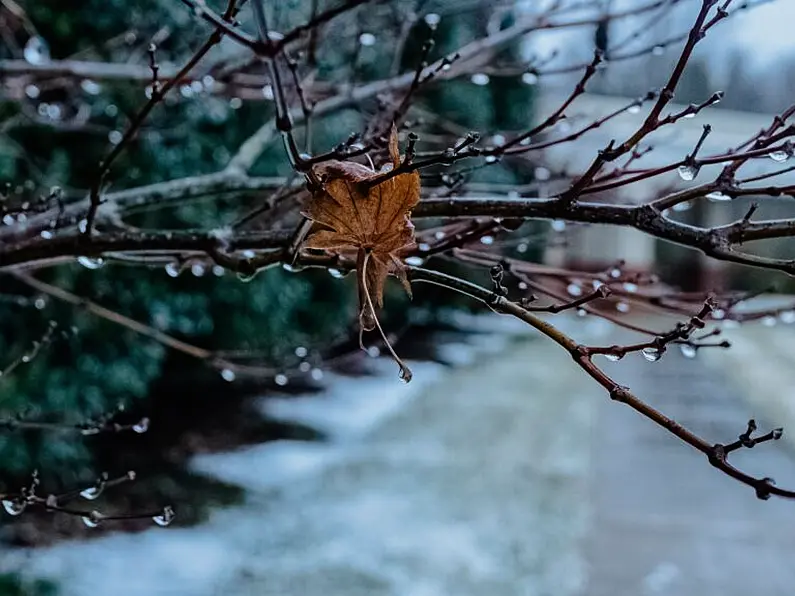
{"points": [[355, 203]]}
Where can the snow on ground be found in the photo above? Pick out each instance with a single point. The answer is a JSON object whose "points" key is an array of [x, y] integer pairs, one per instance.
{"points": [[426, 488]]}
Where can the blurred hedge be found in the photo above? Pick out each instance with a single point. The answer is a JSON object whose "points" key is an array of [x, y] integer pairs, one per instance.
{"points": [[102, 365]]}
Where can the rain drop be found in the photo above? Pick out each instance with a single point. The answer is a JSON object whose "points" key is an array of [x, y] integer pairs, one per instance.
{"points": [[769, 321], [92, 519], [46, 234], [432, 19], [90, 262], [787, 316], [651, 354], [683, 206], [529, 78], [574, 290], [90, 87], [141, 426], [165, 518], [228, 375], [630, 287], [335, 273], [622, 307], [197, 269], [32, 91], [301, 352], [173, 269], [558, 225], [658, 50], [373, 352], [718, 196], [8, 219], [36, 51], [280, 379], [688, 350], [615, 273], [487, 240], [634, 109], [480, 79], [115, 137], [614, 357], [39, 303], [92, 492], [14, 506], [687, 172], [304, 366], [367, 39], [218, 271], [778, 156], [316, 374], [439, 235], [267, 92], [415, 261]]}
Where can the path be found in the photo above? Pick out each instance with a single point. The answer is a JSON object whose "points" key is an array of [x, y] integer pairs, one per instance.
{"points": [[510, 476]]}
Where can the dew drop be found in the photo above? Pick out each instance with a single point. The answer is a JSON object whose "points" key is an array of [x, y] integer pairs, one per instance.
{"points": [[267, 92], [622, 307], [46, 234], [165, 518], [558, 225], [615, 273], [32, 91], [218, 271], [281, 380], [529, 78], [197, 269], [8, 219], [613, 357], [301, 352], [480, 79], [39, 303], [683, 206], [316, 374], [228, 375], [687, 172], [522, 247], [688, 351], [373, 352], [439, 235], [304, 366], [141, 426], [115, 137], [335, 273], [487, 240], [522, 285], [658, 50], [778, 156], [651, 354], [769, 321], [14, 506], [415, 261], [90, 262], [634, 109]]}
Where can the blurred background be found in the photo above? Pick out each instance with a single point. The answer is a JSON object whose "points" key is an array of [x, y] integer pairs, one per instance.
{"points": [[501, 469]]}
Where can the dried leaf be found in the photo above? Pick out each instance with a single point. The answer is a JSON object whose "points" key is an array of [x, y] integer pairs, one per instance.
{"points": [[371, 219]]}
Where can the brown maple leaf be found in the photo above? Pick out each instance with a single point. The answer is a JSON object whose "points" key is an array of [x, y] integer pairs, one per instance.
{"points": [[351, 213]]}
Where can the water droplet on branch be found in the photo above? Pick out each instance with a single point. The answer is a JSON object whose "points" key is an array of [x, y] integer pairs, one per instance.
{"points": [[14, 506], [165, 518]]}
